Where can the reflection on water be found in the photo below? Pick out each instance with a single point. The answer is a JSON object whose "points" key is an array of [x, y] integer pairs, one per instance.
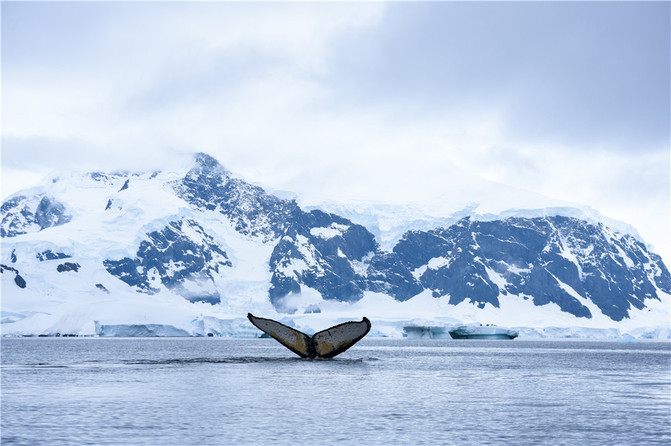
{"points": [[223, 391]]}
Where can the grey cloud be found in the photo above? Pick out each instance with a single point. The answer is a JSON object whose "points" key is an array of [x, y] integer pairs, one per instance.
{"points": [[581, 74]]}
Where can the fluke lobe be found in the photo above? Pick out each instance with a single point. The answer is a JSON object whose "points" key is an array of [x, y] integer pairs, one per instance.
{"points": [[324, 344]]}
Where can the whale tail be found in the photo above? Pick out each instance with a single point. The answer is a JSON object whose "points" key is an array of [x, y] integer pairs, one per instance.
{"points": [[324, 344]]}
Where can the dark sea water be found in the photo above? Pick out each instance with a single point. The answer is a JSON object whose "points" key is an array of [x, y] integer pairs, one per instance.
{"points": [[200, 391]]}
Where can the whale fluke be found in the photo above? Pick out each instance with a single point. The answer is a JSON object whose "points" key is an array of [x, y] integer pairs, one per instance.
{"points": [[335, 340], [324, 344], [294, 340]]}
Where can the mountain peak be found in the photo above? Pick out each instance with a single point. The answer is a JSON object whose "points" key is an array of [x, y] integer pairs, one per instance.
{"points": [[207, 169], [207, 161]]}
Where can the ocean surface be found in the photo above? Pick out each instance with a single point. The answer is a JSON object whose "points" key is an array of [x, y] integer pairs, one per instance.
{"points": [[201, 391]]}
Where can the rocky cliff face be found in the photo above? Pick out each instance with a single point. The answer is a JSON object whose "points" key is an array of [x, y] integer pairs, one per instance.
{"points": [[253, 212], [580, 266], [558, 260], [180, 253], [314, 249], [25, 214], [324, 252]]}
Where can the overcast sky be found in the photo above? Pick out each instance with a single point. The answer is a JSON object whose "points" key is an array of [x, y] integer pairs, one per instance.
{"points": [[395, 102]]}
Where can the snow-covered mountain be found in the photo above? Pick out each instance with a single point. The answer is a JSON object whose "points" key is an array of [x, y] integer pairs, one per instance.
{"points": [[192, 252]]}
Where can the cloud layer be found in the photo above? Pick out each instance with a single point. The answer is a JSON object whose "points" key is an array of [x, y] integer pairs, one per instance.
{"points": [[394, 102]]}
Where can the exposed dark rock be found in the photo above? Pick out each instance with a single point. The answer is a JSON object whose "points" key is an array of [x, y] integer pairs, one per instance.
{"points": [[125, 186], [182, 251], [18, 280], [552, 259], [21, 215], [110, 178], [50, 213], [324, 252], [101, 287], [68, 266], [252, 211], [387, 274], [50, 255]]}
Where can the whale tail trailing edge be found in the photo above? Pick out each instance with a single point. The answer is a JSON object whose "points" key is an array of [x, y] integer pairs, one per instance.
{"points": [[324, 344], [335, 340], [294, 340]]}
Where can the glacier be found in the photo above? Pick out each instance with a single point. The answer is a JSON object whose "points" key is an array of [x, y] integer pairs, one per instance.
{"points": [[191, 251]]}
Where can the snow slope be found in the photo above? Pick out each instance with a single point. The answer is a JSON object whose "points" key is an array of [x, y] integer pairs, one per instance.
{"points": [[192, 251]]}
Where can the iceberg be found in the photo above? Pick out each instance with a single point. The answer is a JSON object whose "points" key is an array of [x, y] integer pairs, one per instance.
{"points": [[483, 332], [425, 332], [139, 330]]}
